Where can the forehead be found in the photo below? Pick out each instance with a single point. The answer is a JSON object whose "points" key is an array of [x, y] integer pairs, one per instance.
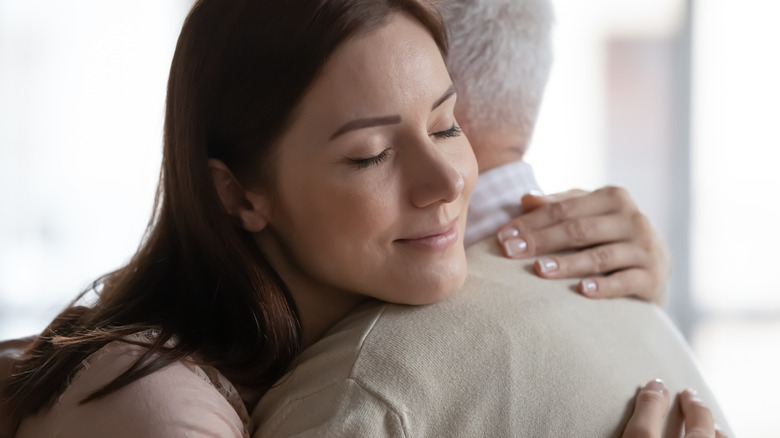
{"points": [[380, 72]]}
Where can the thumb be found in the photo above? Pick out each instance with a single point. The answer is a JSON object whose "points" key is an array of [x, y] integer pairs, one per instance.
{"points": [[650, 407], [532, 201]]}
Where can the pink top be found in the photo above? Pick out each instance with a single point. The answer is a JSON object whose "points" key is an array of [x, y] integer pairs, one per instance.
{"points": [[181, 400]]}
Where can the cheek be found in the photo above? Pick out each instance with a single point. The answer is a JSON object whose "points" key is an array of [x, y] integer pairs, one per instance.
{"points": [[326, 209], [336, 226]]}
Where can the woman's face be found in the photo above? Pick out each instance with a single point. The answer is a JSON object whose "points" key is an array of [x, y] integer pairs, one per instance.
{"points": [[373, 176]]}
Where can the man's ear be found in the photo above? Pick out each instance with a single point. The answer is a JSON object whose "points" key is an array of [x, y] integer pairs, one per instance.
{"points": [[251, 209]]}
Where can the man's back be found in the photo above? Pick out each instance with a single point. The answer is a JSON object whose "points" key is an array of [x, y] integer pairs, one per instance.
{"points": [[510, 355]]}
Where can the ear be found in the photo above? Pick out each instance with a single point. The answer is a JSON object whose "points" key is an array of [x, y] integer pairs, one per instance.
{"points": [[251, 209]]}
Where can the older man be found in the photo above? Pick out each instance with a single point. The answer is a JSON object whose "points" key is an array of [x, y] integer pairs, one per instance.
{"points": [[500, 75], [511, 354]]}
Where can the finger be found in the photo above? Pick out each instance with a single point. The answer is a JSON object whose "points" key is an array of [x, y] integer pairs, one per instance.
{"points": [[650, 407], [599, 259], [573, 193], [572, 234], [603, 201], [628, 282], [698, 419], [532, 201], [719, 434], [635, 282]]}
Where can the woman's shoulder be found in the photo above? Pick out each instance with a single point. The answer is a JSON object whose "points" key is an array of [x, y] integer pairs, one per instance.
{"points": [[182, 399]]}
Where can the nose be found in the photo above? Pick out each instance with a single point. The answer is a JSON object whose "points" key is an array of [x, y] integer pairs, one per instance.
{"points": [[434, 177]]}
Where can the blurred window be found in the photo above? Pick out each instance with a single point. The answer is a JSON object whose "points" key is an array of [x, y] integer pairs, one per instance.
{"points": [[82, 94]]}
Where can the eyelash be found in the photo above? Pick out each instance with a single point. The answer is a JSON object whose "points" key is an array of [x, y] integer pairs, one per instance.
{"points": [[363, 163], [454, 131], [371, 161]]}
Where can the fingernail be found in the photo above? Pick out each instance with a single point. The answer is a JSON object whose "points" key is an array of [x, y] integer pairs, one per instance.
{"points": [[515, 247], [589, 287], [507, 233], [656, 385], [694, 396], [535, 193], [547, 265]]}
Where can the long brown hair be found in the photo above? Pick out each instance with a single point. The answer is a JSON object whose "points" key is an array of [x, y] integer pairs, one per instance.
{"points": [[239, 71]]}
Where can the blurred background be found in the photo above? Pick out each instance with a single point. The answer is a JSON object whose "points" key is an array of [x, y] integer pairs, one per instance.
{"points": [[677, 100]]}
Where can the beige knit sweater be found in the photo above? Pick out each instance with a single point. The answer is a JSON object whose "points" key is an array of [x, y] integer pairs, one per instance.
{"points": [[510, 355]]}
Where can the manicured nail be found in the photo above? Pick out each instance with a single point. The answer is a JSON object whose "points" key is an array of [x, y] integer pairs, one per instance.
{"points": [[515, 247], [547, 265], [656, 385], [507, 233], [589, 287], [694, 396]]}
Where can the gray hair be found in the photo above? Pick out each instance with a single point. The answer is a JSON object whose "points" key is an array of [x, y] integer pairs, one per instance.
{"points": [[500, 58]]}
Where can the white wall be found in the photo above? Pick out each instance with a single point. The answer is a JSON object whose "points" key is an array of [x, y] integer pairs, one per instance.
{"points": [[82, 91]]}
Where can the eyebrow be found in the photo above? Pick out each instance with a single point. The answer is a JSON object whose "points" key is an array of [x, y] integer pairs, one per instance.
{"points": [[447, 94], [385, 120], [366, 123]]}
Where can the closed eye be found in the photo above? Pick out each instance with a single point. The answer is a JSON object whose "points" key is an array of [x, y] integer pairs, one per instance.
{"points": [[363, 163], [454, 131]]}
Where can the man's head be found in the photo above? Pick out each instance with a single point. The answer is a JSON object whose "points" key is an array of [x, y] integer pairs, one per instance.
{"points": [[500, 58]]}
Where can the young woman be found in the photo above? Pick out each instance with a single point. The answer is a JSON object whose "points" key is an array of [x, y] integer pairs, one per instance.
{"points": [[308, 165]]}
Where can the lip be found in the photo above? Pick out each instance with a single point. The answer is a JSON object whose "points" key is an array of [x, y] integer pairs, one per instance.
{"points": [[434, 239]]}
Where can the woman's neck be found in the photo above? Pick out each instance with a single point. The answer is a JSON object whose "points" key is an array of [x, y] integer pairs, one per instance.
{"points": [[320, 310], [319, 306]]}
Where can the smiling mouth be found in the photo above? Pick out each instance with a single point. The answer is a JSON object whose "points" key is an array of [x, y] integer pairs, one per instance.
{"points": [[434, 240]]}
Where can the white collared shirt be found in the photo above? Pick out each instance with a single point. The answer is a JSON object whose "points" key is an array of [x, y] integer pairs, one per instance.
{"points": [[496, 199]]}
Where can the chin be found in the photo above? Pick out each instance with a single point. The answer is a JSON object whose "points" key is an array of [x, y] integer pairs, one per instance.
{"points": [[436, 287]]}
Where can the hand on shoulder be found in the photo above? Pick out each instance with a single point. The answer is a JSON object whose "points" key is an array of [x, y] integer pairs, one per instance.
{"points": [[617, 250], [651, 408]]}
